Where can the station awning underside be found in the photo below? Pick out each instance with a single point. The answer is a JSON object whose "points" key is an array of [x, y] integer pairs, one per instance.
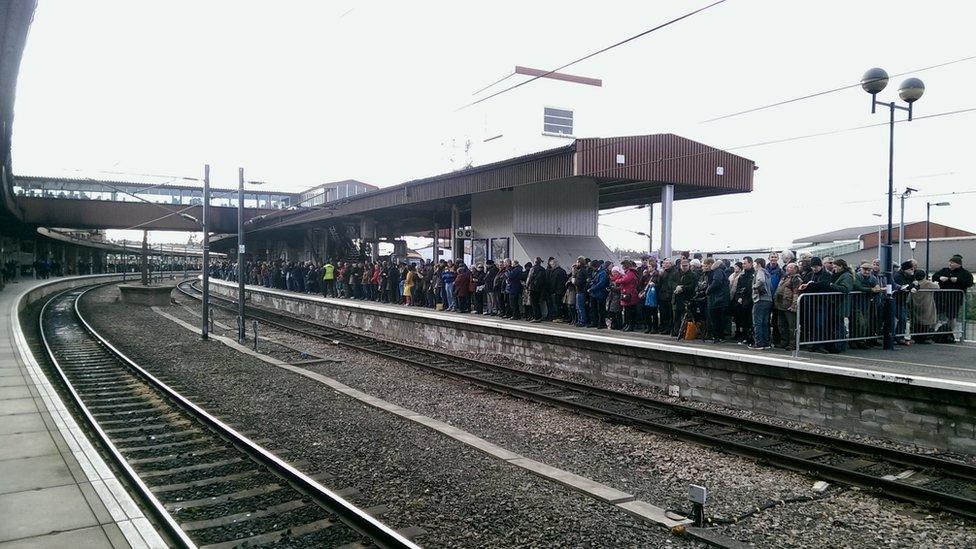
{"points": [[628, 171]]}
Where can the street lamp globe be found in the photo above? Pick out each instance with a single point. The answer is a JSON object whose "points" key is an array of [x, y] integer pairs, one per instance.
{"points": [[874, 80], [911, 90]]}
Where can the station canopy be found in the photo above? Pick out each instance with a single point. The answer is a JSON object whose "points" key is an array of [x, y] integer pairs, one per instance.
{"points": [[628, 171]]}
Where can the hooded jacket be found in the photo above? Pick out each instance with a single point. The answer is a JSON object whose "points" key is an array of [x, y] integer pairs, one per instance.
{"points": [[718, 288]]}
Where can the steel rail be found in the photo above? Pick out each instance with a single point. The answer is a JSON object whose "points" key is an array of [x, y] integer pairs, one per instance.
{"points": [[350, 515], [142, 491], [963, 506]]}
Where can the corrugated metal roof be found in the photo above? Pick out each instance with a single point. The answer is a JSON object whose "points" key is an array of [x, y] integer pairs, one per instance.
{"points": [[649, 161]]}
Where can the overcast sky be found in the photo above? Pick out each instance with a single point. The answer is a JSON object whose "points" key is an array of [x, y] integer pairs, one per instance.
{"points": [[305, 92]]}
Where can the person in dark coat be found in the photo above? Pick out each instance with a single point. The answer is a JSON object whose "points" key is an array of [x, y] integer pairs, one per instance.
{"points": [[491, 273], [597, 293], [478, 281], [718, 298], [665, 294], [556, 283], [684, 290], [814, 312], [742, 301], [513, 289], [538, 288], [952, 277]]}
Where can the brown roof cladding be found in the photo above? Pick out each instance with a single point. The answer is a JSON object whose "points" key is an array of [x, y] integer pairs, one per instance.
{"points": [[664, 158], [649, 161]]}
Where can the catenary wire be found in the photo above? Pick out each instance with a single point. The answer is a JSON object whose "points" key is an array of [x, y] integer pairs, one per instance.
{"points": [[593, 54], [832, 90], [710, 152]]}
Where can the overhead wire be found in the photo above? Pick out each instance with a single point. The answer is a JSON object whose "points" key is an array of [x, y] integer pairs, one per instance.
{"points": [[594, 54], [500, 80], [832, 90]]}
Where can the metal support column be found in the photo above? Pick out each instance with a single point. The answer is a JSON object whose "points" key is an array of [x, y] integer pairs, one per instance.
{"points": [[435, 248], [667, 207], [241, 327], [456, 246], [205, 301], [650, 229]]}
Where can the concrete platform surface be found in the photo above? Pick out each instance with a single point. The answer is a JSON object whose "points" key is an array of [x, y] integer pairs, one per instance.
{"points": [[55, 489]]}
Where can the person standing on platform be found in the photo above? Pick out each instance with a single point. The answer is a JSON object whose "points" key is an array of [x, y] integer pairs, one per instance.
{"points": [[775, 272], [462, 288], [686, 281], [924, 315], [762, 300], [556, 288], [665, 295], [742, 300], [952, 277], [448, 277], [597, 294], [513, 289], [537, 288], [629, 299], [491, 274], [784, 307], [408, 285], [718, 299], [328, 280], [581, 281], [904, 280], [480, 294], [501, 283]]}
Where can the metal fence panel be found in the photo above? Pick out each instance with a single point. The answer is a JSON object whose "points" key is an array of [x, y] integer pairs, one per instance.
{"points": [[836, 319]]}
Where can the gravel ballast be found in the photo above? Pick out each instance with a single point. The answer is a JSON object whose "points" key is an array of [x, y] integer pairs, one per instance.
{"points": [[656, 469], [460, 496]]}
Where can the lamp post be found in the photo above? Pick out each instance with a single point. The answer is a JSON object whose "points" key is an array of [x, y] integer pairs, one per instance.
{"points": [[901, 224], [241, 330], [928, 237], [874, 81], [879, 234]]}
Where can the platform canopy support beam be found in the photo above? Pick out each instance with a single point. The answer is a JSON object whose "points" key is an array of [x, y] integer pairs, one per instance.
{"points": [[667, 212]]}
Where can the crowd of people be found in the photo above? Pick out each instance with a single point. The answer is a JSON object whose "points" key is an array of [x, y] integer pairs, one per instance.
{"points": [[752, 301]]}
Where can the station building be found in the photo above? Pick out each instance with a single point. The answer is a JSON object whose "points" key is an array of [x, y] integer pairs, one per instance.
{"points": [[537, 205]]}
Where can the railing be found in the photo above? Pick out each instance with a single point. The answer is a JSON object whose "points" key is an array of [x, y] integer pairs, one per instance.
{"points": [[832, 320]]}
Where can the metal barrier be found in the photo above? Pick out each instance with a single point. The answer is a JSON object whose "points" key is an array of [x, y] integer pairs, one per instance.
{"points": [[832, 320]]}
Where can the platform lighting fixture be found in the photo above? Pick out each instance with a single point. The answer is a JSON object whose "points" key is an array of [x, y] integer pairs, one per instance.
{"points": [[874, 81], [928, 239]]}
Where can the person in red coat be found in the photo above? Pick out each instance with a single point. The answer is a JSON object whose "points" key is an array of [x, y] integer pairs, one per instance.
{"points": [[462, 288], [628, 294]]}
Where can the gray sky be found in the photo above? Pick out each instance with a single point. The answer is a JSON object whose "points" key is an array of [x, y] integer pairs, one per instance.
{"points": [[304, 92]]}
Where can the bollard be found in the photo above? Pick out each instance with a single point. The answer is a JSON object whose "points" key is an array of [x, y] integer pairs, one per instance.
{"points": [[254, 328]]}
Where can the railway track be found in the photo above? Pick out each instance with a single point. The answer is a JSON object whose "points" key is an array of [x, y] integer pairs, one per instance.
{"points": [[206, 484], [931, 482]]}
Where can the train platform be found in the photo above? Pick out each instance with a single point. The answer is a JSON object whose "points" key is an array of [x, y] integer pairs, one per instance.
{"points": [[922, 394], [951, 366], [55, 488]]}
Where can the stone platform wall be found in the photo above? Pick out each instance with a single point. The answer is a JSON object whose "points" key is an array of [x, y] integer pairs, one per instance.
{"points": [[899, 411]]}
